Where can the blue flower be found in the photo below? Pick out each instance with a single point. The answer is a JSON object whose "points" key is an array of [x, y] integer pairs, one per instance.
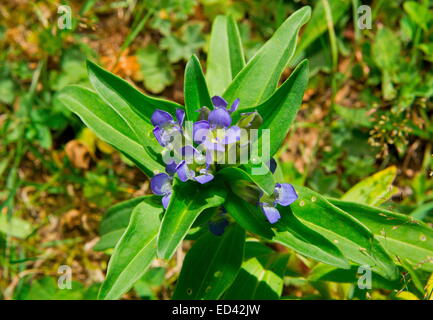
{"points": [[194, 161], [220, 117], [165, 126], [215, 132], [284, 195], [161, 184]]}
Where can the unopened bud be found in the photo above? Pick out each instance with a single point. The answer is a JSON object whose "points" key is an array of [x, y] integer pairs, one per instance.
{"points": [[204, 113], [250, 120]]}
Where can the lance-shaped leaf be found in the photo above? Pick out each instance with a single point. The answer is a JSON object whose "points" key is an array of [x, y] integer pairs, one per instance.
{"points": [[135, 250], [114, 223], [265, 181], [260, 278], [354, 240], [322, 272], [259, 78], [188, 200], [211, 265], [247, 216], [294, 234], [124, 94], [279, 111], [195, 89], [373, 190], [107, 125], [402, 236], [110, 90], [226, 57], [289, 232]]}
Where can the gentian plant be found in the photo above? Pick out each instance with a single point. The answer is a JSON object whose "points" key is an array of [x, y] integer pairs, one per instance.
{"points": [[216, 181]]}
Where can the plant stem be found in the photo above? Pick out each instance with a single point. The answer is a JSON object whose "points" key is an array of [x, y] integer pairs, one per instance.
{"points": [[334, 49], [355, 5]]}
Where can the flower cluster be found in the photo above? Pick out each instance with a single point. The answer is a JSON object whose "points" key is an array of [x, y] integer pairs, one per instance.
{"points": [[196, 153]]}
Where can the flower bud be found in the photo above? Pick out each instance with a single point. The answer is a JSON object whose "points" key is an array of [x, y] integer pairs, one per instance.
{"points": [[203, 113], [250, 120]]}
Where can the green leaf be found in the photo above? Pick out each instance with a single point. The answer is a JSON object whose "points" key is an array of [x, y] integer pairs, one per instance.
{"points": [[188, 200], [195, 89], [106, 90], [125, 95], [290, 232], [248, 216], [72, 71], [114, 223], [258, 80], [401, 235], [279, 111], [386, 50], [418, 13], [186, 45], [422, 212], [353, 239], [47, 288], [226, 57], [318, 25], [107, 125], [15, 227], [260, 278], [373, 190], [265, 182], [7, 91], [323, 272], [149, 283], [135, 250], [156, 72], [211, 265], [293, 234]]}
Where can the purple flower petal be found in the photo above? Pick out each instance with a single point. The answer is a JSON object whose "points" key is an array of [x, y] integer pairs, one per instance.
{"points": [[213, 146], [171, 168], [209, 159], [271, 213], [160, 184], [232, 135], [184, 173], [235, 105], [220, 117], [219, 102], [191, 154], [160, 118], [171, 135], [166, 200], [180, 116], [200, 131], [204, 178], [286, 194], [157, 132]]}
